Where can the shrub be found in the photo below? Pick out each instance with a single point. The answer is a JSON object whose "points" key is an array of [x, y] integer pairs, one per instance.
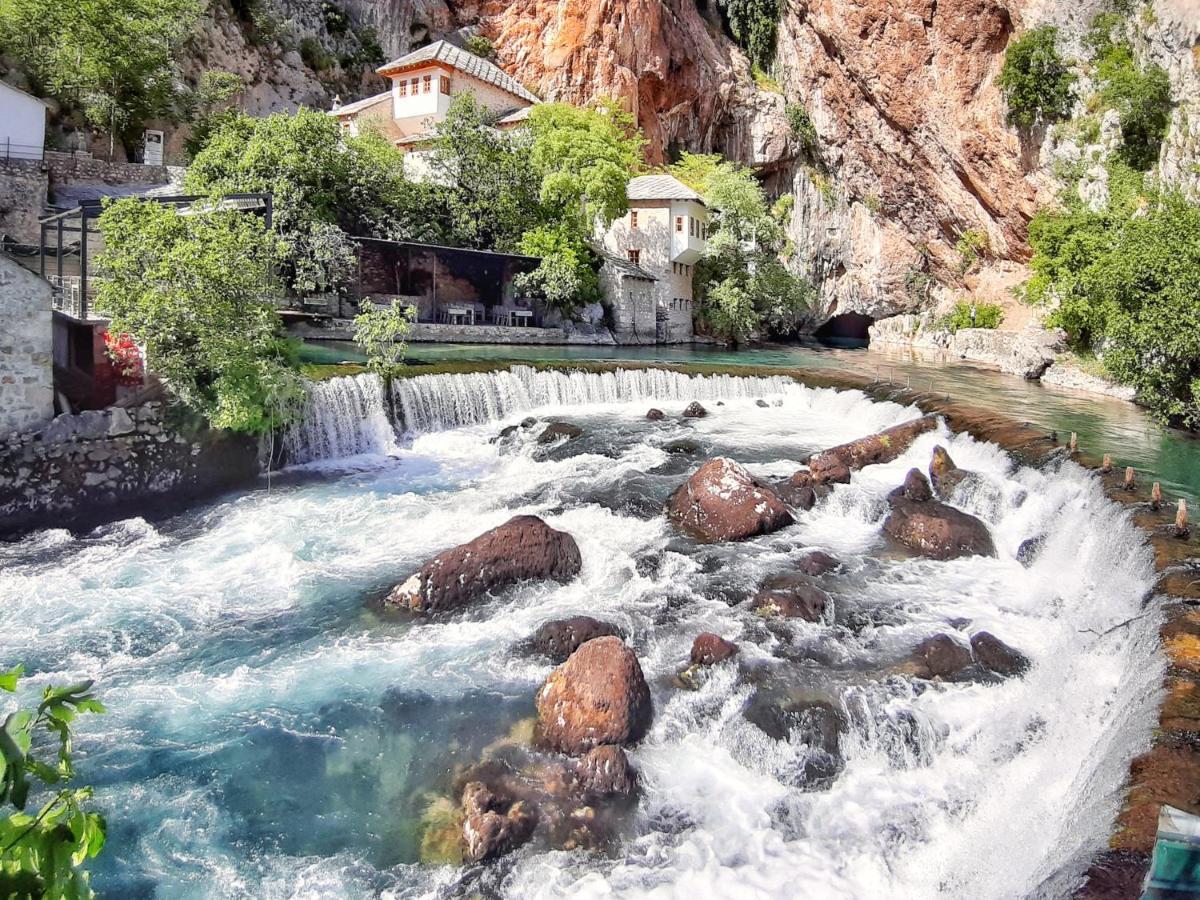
{"points": [[1142, 98], [971, 245], [380, 333], [802, 128], [1038, 87], [315, 56], [753, 24], [480, 46], [972, 315], [337, 22]]}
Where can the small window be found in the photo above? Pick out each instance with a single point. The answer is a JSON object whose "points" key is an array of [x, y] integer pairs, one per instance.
{"points": [[633, 219], [427, 85], [679, 223], [444, 85], [402, 88], [635, 256], [416, 86]]}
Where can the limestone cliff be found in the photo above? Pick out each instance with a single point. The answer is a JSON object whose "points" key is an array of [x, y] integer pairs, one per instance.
{"points": [[913, 148]]}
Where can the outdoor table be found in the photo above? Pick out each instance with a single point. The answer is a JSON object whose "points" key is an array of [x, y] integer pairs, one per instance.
{"points": [[522, 316]]}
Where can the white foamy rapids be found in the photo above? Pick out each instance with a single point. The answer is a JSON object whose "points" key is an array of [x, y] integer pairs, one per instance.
{"points": [[348, 416], [245, 755]]}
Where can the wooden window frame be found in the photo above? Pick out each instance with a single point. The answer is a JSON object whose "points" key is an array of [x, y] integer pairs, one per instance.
{"points": [[444, 84], [635, 256], [679, 224], [633, 218], [427, 84]]}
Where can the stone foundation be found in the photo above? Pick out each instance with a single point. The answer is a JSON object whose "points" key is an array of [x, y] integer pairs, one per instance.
{"points": [[430, 332], [26, 349], [105, 464], [23, 187]]}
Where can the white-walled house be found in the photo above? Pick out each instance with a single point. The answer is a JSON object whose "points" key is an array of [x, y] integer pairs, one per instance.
{"points": [[663, 235], [22, 124], [424, 83]]}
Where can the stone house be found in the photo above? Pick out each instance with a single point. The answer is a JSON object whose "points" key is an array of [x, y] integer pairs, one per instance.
{"points": [[26, 349], [663, 235], [423, 85]]}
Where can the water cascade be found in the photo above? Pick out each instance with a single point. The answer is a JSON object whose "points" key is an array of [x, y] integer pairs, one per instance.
{"points": [[269, 736]]}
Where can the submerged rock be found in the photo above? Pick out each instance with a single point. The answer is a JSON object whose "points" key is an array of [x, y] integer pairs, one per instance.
{"points": [[944, 475], [695, 411], [557, 431], [721, 501], [941, 656], [932, 528], [791, 596], [709, 649], [683, 446], [817, 562], [492, 826], [605, 771], [761, 403], [598, 696], [817, 724], [1030, 549], [655, 415], [559, 638], [996, 656], [836, 463], [523, 548]]}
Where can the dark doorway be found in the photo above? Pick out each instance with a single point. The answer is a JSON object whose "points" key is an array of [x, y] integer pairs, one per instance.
{"points": [[846, 330]]}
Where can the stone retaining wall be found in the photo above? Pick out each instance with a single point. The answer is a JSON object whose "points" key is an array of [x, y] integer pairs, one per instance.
{"points": [[26, 349], [104, 464], [430, 332], [23, 187], [71, 168]]}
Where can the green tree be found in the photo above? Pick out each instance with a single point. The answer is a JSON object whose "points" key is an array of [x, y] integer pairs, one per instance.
{"points": [[567, 277], [317, 177], [42, 854], [489, 191], [1141, 97], [753, 24], [380, 333], [1036, 82], [198, 292], [113, 59], [1126, 281], [211, 104]]}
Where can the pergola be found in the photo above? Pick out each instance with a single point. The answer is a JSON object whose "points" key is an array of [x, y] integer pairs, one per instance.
{"points": [[75, 242]]}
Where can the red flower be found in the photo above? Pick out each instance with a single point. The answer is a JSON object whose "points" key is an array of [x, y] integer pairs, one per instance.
{"points": [[126, 359]]}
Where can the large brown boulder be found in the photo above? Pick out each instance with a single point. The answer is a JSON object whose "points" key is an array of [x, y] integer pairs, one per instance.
{"points": [[836, 463], [798, 490], [605, 771], [724, 502], [522, 549], [996, 656], [559, 638], [791, 596], [941, 656], [817, 562], [709, 649], [492, 825], [598, 696], [932, 528]]}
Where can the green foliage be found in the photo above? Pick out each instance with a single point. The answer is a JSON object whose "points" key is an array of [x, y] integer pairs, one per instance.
{"points": [[211, 105], [480, 46], [317, 177], [765, 80], [380, 333], [742, 286], [918, 284], [753, 24], [337, 21], [1141, 97], [970, 246], [490, 193], [113, 59], [315, 56], [567, 277], [198, 292], [1037, 84], [972, 315], [803, 130], [42, 855], [1126, 280]]}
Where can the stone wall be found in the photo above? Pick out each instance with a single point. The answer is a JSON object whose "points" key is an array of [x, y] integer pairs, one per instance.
{"points": [[23, 187], [72, 168], [26, 349], [430, 332], [114, 463]]}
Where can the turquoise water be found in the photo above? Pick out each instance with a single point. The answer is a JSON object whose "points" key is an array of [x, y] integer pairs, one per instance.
{"points": [[1104, 424]]}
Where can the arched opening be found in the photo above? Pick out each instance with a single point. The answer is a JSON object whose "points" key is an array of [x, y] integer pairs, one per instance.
{"points": [[846, 330]]}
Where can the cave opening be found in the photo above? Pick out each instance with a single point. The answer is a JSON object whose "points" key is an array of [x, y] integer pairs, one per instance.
{"points": [[846, 330]]}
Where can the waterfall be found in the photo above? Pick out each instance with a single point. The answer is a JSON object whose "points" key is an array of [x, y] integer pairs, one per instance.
{"points": [[348, 416]]}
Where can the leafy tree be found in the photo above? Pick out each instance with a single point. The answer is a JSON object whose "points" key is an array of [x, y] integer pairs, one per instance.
{"points": [[318, 177], [198, 291], [567, 276], [753, 24], [380, 333], [211, 106], [489, 190], [480, 46], [42, 855], [114, 59], [743, 287], [1037, 84], [1141, 97], [1126, 281]]}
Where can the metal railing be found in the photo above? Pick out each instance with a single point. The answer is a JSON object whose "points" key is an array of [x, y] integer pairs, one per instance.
{"points": [[10, 149]]}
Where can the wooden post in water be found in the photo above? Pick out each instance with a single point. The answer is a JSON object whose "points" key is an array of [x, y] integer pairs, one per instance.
{"points": [[1155, 496], [1074, 445], [1129, 482], [1181, 522], [1106, 466]]}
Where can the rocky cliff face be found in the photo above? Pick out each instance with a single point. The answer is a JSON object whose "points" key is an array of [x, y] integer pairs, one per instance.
{"points": [[913, 149]]}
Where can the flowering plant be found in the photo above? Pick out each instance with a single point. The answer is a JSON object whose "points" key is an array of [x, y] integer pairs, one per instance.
{"points": [[126, 359]]}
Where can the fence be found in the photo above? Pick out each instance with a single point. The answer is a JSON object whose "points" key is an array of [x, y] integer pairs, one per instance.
{"points": [[9, 149]]}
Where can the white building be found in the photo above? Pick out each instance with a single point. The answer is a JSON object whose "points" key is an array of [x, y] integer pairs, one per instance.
{"points": [[663, 235], [22, 124], [424, 83]]}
